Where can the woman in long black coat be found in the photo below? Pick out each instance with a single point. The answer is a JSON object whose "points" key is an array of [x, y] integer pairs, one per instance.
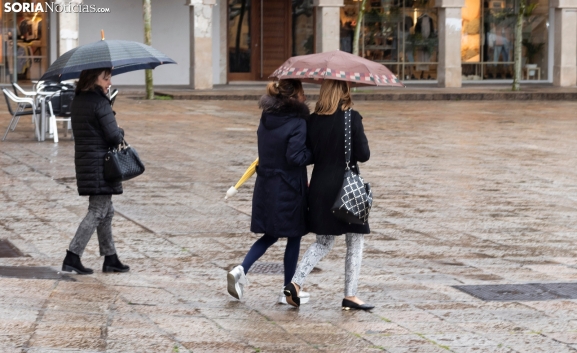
{"points": [[95, 131], [326, 136], [279, 204]]}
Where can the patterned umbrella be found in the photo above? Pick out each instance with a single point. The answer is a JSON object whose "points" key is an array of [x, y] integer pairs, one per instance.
{"points": [[336, 65], [121, 55]]}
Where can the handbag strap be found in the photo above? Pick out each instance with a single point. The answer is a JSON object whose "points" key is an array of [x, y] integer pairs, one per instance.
{"points": [[122, 146], [348, 137]]}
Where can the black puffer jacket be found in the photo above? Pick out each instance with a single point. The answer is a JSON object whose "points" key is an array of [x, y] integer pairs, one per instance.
{"points": [[95, 130]]}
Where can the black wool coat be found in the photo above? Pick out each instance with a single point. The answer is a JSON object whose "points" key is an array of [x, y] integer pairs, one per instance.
{"points": [[326, 135], [95, 130], [279, 203]]}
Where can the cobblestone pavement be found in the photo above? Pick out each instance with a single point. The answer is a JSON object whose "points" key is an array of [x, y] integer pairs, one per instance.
{"points": [[466, 193]]}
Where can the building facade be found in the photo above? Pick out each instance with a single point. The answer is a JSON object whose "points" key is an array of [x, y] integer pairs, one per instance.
{"points": [[222, 41]]}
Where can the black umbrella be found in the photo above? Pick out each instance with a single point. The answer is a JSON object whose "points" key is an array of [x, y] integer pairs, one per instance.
{"points": [[121, 55]]}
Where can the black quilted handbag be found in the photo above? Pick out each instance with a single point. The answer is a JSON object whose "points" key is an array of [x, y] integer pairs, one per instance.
{"points": [[122, 163], [355, 199]]}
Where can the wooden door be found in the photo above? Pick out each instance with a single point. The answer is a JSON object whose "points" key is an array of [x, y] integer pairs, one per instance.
{"points": [[276, 36]]}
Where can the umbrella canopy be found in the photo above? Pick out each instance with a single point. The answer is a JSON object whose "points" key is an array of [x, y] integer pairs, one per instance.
{"points": [[121, 55], [336, 65]]}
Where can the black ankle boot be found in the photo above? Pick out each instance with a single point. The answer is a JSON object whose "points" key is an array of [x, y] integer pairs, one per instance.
{"points": [[113, 264], [72, 263]]}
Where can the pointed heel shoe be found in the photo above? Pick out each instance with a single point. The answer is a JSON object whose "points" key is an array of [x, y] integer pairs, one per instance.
{"points": [[349, 304], [291, 295], [304, 297]]}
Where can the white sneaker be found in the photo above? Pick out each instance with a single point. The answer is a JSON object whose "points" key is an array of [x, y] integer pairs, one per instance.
{"points": [[236, 282], [305, 296]]}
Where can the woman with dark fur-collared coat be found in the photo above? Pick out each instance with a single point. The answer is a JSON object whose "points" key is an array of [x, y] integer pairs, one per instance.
{"points": [[95, 131], [279, 205]]}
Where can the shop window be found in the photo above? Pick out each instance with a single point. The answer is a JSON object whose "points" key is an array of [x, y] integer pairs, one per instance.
{"points": [[24, 48], [488, 39], [302, 27], [401, 34], [239, 37]]}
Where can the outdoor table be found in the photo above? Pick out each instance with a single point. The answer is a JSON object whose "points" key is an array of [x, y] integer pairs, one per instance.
{"points": [[41, 98]]}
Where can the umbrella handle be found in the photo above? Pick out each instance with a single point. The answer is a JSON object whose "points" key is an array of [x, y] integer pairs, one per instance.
{"points": [[231, 192]]}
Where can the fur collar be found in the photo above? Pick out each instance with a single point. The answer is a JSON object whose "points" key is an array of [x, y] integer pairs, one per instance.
{"points": [[278, 106]]}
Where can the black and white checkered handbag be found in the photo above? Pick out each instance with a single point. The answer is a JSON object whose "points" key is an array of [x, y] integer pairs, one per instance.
{"points": [[355, 199]]}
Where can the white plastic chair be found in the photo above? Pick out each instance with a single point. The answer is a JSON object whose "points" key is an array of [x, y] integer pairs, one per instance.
{"points": [[23, 103], [29, 94], [54, 119], [20, 91]]}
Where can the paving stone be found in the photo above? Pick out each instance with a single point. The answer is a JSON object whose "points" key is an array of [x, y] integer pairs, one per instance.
{"points": [[483, 349], [466, 193], [460, 340]]}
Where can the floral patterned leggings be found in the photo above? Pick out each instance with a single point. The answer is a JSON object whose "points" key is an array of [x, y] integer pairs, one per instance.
{"points": [[321, 248]]}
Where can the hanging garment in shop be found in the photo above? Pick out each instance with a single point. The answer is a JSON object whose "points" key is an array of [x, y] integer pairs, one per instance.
{"points": [[26, 30], [425, 26], [23, 60], [37, 29]]}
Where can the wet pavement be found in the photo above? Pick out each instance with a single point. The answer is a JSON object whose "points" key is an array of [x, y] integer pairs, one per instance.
{"points": [[414, 91], [466, 194]]}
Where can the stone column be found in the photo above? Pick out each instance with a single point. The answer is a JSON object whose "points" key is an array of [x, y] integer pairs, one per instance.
{"points": [[450, 23], [565, 46], [223, 62], [328, 30], [201, 43], [68, 25]]}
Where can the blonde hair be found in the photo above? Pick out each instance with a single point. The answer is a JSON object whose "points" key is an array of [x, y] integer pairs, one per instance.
{"points": [[332, 93], [285, 89]]}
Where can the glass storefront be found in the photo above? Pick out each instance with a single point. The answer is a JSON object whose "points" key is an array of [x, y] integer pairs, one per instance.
{"points": [[24, 42], [488, 39], [401, 34]]}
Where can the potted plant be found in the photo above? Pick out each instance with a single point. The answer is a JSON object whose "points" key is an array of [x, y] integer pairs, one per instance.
{"points": [[531, 51]]}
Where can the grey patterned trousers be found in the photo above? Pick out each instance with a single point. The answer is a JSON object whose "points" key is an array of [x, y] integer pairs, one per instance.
{"points": [[99, 218], [321, 248]]}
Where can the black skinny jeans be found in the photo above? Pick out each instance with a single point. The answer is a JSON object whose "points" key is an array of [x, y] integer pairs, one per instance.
{"points": [[291, 254]]}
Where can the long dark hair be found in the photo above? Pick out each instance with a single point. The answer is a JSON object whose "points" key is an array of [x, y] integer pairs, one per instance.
{"points": [[88, 78], [285, 89]]}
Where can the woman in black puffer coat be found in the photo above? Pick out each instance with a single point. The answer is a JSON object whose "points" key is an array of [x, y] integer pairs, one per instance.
{"points": [[95, 131]]}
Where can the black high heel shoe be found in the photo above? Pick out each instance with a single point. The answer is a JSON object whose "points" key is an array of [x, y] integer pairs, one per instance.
{"points": [[291, 295], [349, 304]]}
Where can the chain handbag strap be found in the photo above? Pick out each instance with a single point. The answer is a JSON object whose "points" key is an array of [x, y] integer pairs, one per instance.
{"points": [[348, 137], [123, 145]]}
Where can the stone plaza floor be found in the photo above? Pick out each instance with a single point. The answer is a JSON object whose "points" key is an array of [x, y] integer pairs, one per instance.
{"points": [[466, 194]]}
